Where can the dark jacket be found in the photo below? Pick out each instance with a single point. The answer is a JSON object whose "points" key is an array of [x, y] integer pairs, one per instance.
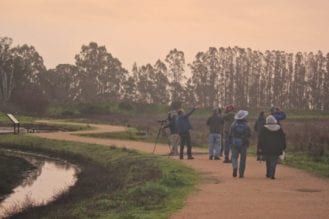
{"points": [[259, 124], [172, 125], [228, 120], [271, 142], [183, 123], [215, 123]]}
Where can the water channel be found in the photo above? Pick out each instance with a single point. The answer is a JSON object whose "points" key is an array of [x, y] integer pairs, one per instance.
{"points": [[48, 180]]}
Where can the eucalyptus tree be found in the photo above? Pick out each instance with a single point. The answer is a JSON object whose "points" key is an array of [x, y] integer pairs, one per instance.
{"points": [[326, 85], [100, 74], [199, 79], [6, 69], [61, 83], [176, 62], [299, 84], [130, 86], [228, 72], [28, 67], [190, 96], [145, 84], [212, 63], [161, 93], [256, 66], [241, 77], [290, 76], [316, 68]]}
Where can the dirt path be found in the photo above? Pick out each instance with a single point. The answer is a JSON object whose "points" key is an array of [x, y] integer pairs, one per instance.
{"points": [[294, 194]]}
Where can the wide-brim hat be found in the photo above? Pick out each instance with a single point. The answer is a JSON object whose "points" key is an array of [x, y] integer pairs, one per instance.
{"points": [[242, 114]]}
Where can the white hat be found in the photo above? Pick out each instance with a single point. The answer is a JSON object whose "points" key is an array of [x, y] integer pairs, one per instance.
{"points": [[241, 114], [272, 123]]}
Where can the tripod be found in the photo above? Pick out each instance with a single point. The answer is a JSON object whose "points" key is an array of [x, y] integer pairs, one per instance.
{"points": [[161, 129]]}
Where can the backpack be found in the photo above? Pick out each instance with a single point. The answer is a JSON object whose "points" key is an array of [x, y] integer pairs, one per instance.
{"points": [[240, 130]]}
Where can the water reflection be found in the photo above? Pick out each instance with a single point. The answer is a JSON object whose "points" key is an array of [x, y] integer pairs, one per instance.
{"points": [[47, 181]]}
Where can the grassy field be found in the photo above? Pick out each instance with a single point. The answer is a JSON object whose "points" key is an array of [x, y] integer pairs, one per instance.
{"points": [[113, 183]]}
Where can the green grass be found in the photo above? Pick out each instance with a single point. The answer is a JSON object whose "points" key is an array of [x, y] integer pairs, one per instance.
{"points": [[301, 160], [104, 108], [113, 183], [21, 118], [307, 115], [130, 134], [31, 122], [12, 171]]}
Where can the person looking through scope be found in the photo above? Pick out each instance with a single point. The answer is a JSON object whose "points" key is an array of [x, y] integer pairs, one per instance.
{"points": [[174, 137]]}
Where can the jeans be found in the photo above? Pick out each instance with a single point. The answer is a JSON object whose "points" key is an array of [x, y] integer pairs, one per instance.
{"points": [[214, 140], [271, 161], [238, 148], [185, 139], [227, 146]]}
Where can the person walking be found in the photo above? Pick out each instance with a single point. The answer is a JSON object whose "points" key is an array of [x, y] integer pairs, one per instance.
{"points": [[228, 120], [215, 124], [183, 126], [174, 137], [271, 143], [259, 124], [240, 133]]}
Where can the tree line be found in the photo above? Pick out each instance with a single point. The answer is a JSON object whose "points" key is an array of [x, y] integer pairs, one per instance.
{"points": [[219, 76]]}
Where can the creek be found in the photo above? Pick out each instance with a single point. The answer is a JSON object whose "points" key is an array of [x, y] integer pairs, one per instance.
{"points": [[51, 178]]}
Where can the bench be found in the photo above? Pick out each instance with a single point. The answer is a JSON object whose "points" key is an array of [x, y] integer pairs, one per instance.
{"points": [[15, 122]]}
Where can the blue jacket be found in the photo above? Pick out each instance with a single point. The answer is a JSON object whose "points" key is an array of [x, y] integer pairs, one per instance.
{"points": [[279, 115], [183, 123]]}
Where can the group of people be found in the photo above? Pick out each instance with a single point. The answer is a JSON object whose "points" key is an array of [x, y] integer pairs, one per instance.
{"points": [[231, 130]]}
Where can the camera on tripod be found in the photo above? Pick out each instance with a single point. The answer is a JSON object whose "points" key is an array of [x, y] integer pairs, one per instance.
{"points": [[162, 121]]}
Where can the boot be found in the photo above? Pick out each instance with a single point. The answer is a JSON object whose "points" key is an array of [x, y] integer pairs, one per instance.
{"points": [[235, 172]]}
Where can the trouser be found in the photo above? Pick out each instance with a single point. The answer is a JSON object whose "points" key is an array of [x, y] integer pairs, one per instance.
{"points": [[271, 161], [227, 146], [185, 139], [214, 141], [239, 150], [174, 141]]}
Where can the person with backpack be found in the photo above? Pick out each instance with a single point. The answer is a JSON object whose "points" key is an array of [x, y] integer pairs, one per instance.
{"points": [[271, 144], [215, 124], [183, 126], [240, 133], [228, 120]]}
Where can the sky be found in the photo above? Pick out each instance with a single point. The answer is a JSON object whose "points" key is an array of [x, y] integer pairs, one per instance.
{"points": [[144, 31]]}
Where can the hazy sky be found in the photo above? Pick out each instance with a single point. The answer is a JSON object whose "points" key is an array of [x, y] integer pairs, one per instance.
{"points": [[146, 30]]}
